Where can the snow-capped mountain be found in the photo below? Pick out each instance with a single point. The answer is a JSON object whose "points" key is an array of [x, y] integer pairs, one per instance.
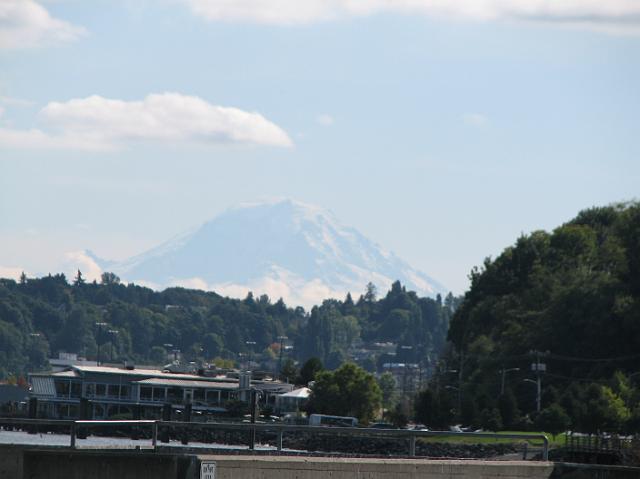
{"points": [[283, 248]]}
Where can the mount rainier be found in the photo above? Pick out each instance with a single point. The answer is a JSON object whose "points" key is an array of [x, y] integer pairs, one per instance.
{"points": [[283, 248]]}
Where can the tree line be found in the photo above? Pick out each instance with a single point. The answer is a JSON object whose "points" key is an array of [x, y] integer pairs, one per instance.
{"points": [[568, 300], [40, 317]]}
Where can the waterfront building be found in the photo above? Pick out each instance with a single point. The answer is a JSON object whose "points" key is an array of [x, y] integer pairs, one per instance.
{"points": [[142, 393]]}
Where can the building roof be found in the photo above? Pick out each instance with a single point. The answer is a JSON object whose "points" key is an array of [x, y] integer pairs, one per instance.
{"points": [[43, 386], [150, 373], [185, 383], [302, 393], [66, 374]]}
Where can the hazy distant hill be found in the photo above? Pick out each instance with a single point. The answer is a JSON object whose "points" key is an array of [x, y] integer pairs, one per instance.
{"points": [[283, 248]]}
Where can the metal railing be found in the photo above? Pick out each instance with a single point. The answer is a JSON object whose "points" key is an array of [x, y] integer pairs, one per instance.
{"points": [[278, 429]]}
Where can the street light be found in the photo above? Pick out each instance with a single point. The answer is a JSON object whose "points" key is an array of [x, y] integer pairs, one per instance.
{"points": [[251, 344], [538, 391], [459, 401], [113, 333], [100, 325], [282, 340], [504, 372]]}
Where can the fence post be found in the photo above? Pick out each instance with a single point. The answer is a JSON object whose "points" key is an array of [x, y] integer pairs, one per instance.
{"points": [[72, 433], [154, 435], [280, 434], [545, 448], [412, 445]]}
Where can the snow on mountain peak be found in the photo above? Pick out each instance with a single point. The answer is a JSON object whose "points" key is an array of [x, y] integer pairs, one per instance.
{"points": [[281, 247]]}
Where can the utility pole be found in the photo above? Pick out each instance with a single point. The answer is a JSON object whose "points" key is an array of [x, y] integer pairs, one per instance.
{"points": [[100, 325], [251, 344], [460, 384], [113, 333], [538, 367], [282, 340]]}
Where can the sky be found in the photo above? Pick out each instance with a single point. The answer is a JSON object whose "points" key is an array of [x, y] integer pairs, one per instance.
{"points": [[442, 130]]}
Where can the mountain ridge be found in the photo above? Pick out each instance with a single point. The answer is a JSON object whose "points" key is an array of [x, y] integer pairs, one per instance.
{"points": [[283, 247]]}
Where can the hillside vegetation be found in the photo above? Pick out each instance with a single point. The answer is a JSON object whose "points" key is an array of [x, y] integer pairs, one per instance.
{"points": [[40, 317], [570, 300]]}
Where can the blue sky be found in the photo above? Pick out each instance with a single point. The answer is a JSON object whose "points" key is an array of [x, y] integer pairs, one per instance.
{"points": [[440, 130]]}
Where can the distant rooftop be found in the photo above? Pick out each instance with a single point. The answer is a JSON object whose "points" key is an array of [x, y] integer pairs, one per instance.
{"points": [[185, 383]]}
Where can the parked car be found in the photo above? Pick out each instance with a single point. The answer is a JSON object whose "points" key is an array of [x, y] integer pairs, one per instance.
{"points": [[381, 425]]}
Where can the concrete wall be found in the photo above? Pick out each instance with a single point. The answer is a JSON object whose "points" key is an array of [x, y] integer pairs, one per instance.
{"points": [[19, 463], [10, 462], [273, 467]]}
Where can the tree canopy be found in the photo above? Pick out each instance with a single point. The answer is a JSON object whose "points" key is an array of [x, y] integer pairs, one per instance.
{"points": [[40, 317], [347, 391]]}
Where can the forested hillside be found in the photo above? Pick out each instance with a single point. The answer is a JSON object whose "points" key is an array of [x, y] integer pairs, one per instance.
{"points": [[40, 317], [569, 300]]}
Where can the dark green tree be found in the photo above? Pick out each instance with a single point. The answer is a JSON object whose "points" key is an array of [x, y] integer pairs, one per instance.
{"points": [[553, 419], [347, 391], [309, 370]]}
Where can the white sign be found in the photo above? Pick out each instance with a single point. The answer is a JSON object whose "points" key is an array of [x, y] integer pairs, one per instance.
{"points": [[207, 470]]}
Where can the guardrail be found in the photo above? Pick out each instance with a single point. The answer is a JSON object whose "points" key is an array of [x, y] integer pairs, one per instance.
{"points": [[279, 429]]}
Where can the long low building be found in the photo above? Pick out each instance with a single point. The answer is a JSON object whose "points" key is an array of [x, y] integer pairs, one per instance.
{"points": [[139, 392]]}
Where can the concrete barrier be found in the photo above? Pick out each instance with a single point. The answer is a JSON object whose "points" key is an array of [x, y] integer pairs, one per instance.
{"points": [[278, 467], [19, 462]]}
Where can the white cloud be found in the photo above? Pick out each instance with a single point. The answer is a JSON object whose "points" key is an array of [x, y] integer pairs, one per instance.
{"points": [[305, 294], [1, 110], [80, 260], [97, 123], [619, 16], [10, 101], [325, 119], [11, 272], [475, 119], [26, 24], [300, 293]]}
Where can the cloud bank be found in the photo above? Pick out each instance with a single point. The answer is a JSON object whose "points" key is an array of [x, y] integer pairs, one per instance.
{"points": [[26, 24], [618, 16], [11, 272], [97, 124]]}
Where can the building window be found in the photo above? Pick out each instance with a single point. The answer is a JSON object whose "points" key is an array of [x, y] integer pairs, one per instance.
{"points": [[62, 388], [76, 390], [198, 395], [212, 397], [113, 390], [124, 392], [101, 390], [158, 394], [90, 390], [175, 395], [146, 393]]}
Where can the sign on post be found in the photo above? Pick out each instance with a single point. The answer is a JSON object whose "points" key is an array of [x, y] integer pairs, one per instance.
{"points": [[207, 470]]}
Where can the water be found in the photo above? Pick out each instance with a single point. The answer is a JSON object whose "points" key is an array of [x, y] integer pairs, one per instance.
{"points": [[99, 442]]}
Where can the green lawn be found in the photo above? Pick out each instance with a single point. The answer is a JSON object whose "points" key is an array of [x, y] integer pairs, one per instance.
{"points": [[553, 442]]}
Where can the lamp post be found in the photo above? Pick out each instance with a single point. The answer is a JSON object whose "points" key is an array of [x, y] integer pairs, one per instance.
{"points": [[538, 392], [282, 340], [406, 355], [100, 325], [113, 333], [251, 344], [538, 368], [459, 399], [504, 372]]}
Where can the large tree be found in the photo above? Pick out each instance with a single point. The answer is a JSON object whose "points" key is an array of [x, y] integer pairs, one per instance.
{"points": [[347, 391]]}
